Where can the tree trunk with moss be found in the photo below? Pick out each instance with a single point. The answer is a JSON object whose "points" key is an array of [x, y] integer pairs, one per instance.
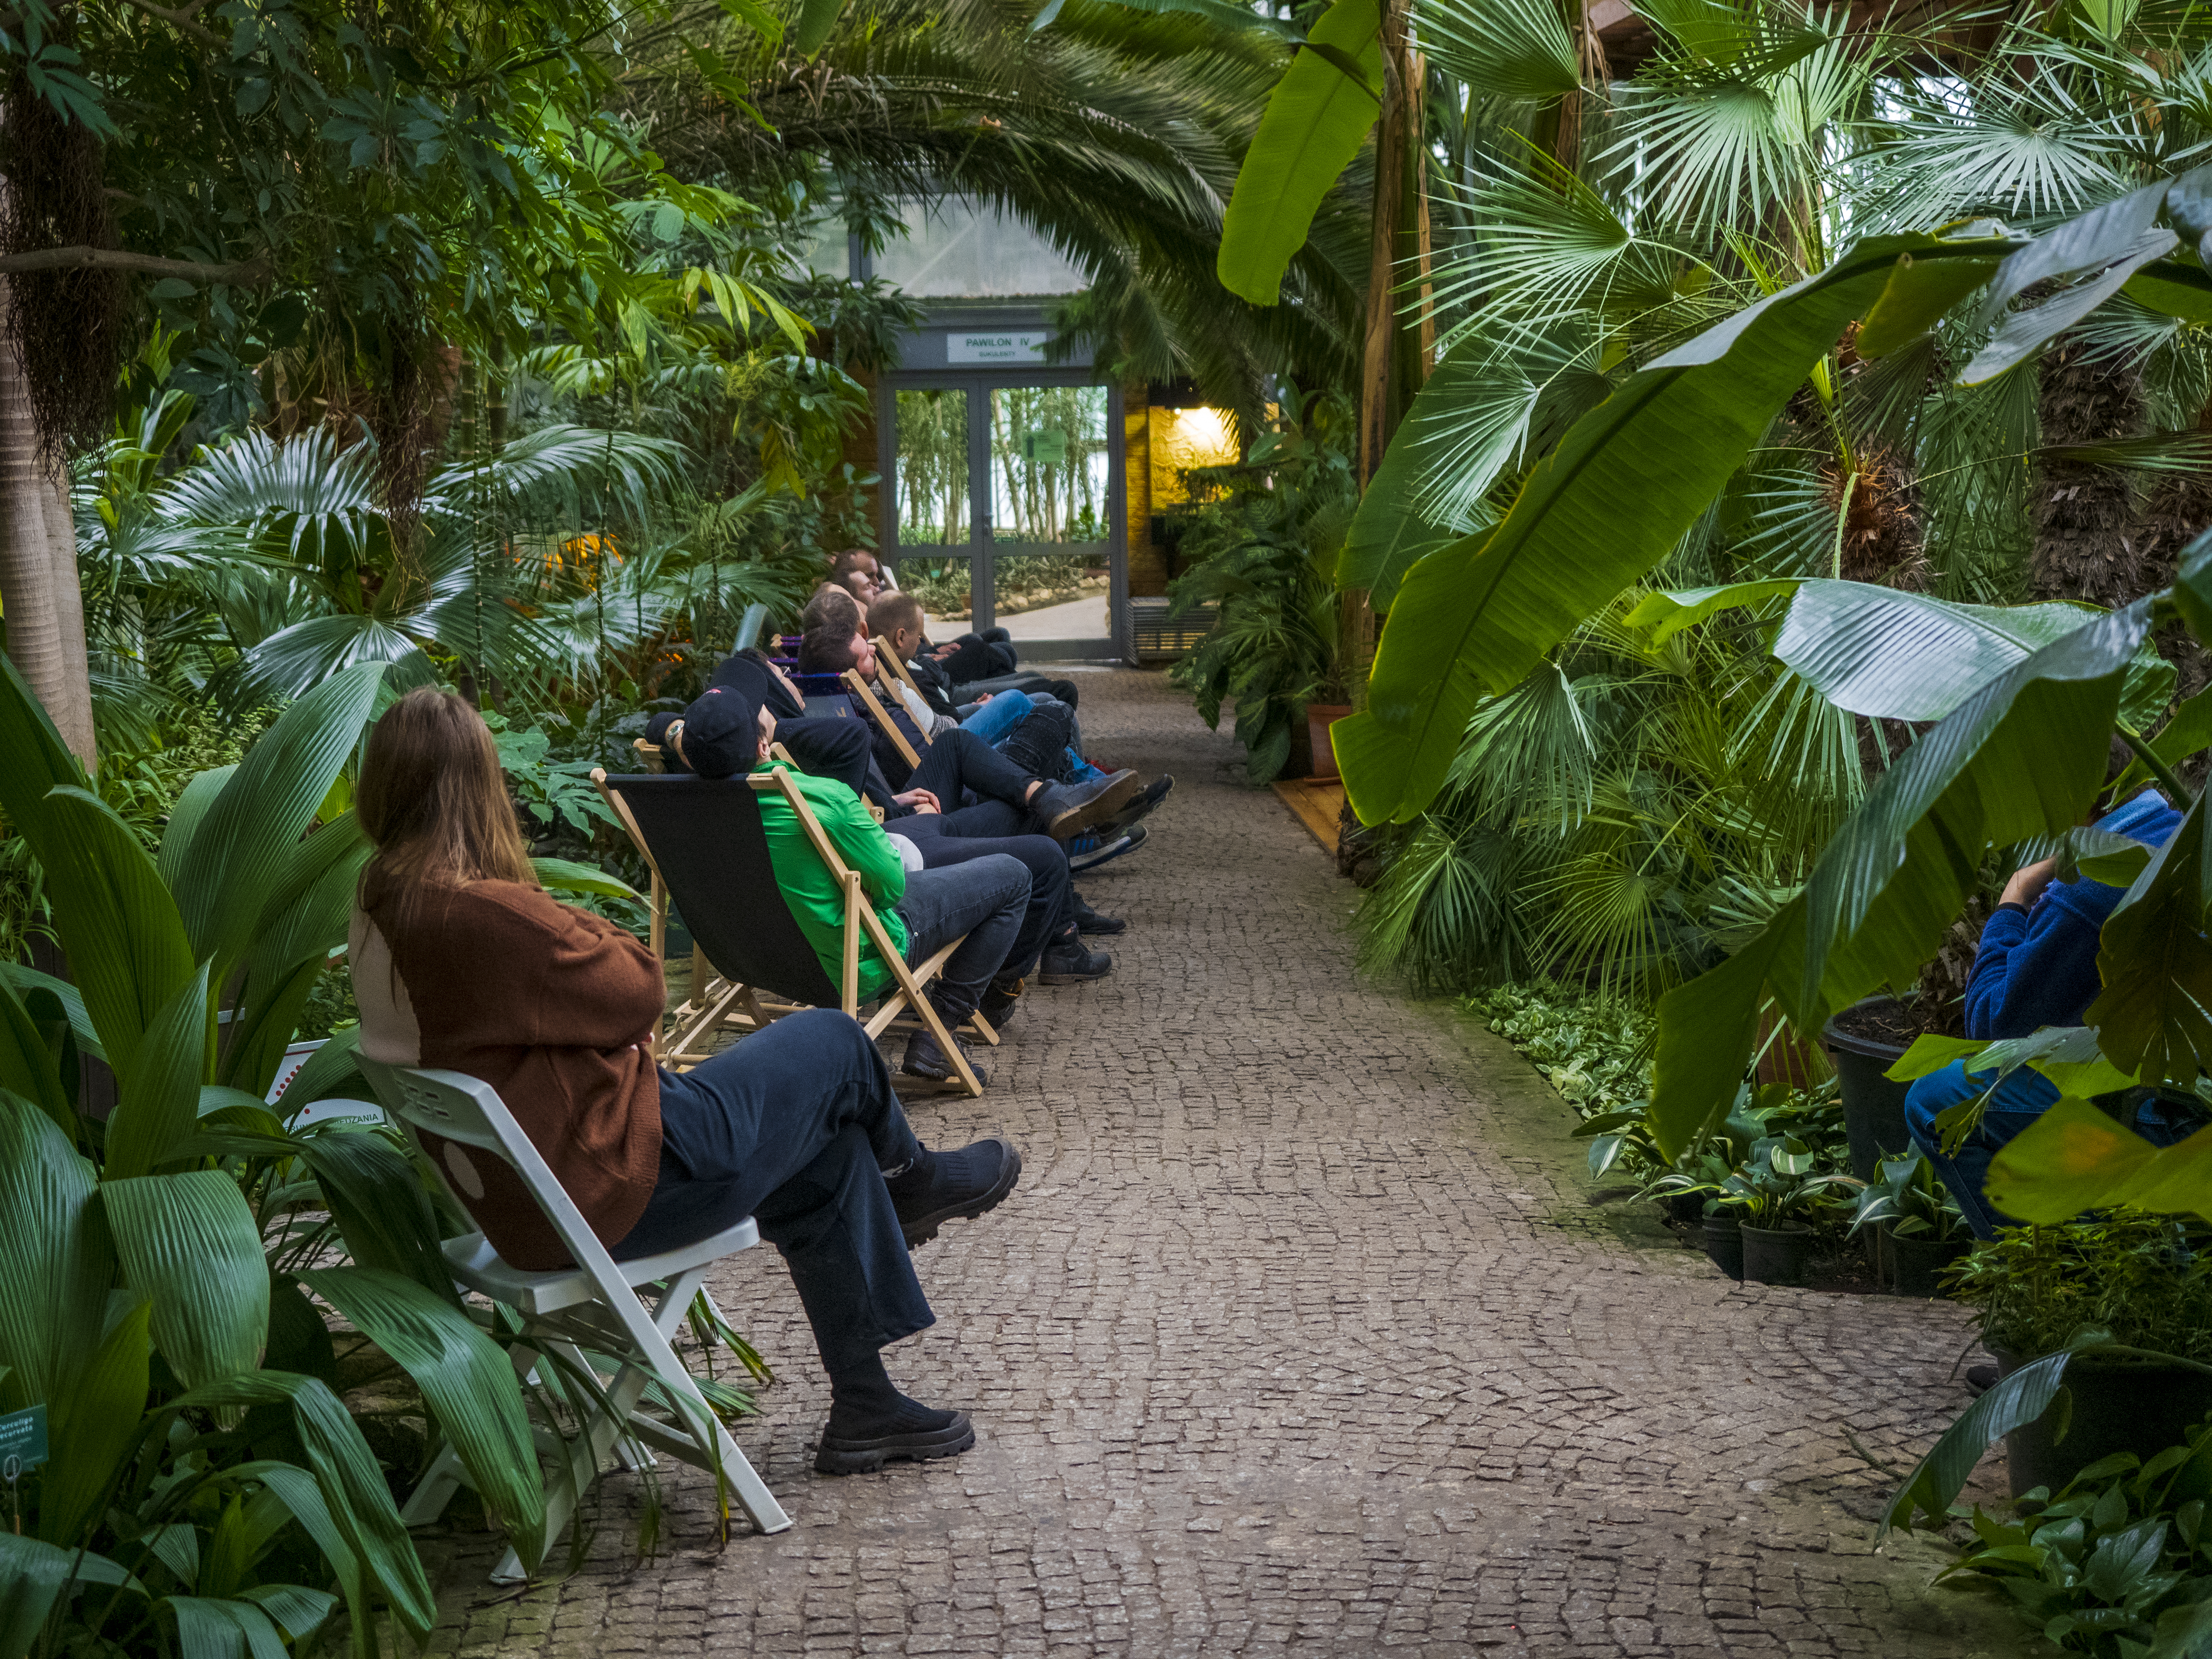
{"points": [[39, 600]]}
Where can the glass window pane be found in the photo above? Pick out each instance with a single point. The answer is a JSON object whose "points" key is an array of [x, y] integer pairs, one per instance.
{"points": [[944, 590], [931, 468], [1054, 596], [1049, 462], [954, 249]]}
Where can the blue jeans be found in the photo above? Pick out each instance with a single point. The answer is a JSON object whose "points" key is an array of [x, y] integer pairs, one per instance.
{"points": [[2021, 1098], [794, 1127], [983, 899], [994, 721]]}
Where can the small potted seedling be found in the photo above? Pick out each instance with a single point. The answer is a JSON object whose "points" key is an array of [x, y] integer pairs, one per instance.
{"points": [[1917, 1226], [1777, 1190]]}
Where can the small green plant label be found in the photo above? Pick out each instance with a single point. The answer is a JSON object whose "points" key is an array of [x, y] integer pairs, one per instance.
{"points": [[23, 1440]]}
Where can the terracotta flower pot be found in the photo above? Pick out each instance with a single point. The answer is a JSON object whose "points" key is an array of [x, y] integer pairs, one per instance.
{"points": [[1319, 716]]}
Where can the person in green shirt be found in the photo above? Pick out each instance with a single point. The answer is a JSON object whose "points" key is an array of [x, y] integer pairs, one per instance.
{"points": [[723, 734]]}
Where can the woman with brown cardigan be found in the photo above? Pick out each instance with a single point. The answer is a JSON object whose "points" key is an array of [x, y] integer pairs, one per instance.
{"points": [[460, 960]]}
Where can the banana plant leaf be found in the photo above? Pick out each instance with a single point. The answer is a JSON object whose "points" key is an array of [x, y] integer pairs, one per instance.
{"points": [[189, 1243], [468, 1382], [2019, 1398], [2074, 1157], [126, 942], [2156, 964], [160, 1104], [2023, 756], [55, 1269], [1607, 504], [1316, 120], [244, 848]]}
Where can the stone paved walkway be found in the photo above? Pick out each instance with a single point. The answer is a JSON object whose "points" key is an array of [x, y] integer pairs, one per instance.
{"points": [[1301, 1334]]}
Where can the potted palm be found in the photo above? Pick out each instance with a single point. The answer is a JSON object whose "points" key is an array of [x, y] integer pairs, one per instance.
{"points": [[1917, 1228]]}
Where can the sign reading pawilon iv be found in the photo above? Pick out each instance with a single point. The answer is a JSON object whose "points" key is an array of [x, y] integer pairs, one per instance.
{"points": [[995, 348]]}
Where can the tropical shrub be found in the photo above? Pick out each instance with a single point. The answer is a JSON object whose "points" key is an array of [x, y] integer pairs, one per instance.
{"points": [[1262, 548], [165, 1270], [2118, 1564]]}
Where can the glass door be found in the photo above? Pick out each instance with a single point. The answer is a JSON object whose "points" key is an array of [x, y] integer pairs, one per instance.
{"points": [[1004, 508], [1051, 522], [935, 528]]}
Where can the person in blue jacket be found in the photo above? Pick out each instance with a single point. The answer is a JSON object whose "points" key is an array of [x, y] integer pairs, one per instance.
{"points": [[2036, 966]]}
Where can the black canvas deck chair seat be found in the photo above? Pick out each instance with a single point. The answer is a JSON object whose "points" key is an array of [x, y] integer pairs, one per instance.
{"points": [[599, 1331], [708, 849]]}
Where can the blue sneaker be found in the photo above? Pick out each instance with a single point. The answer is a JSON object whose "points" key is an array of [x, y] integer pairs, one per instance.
{"points": [[1089, 852]]}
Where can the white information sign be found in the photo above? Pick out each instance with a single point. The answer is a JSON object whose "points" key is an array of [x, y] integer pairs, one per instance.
{"points": [[995, 348]]}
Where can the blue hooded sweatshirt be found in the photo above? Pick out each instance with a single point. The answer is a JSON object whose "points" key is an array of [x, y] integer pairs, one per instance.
{"points": [[2039, 967]]}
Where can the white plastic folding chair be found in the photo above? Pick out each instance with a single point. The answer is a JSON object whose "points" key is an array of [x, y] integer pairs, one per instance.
{"points": [[599, 1305]]}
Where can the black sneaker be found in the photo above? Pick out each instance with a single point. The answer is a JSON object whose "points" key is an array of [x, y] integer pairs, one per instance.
{"points": [[1002, 1003], [1088, 920], [924, 1058], [864, 1454], [1072, 963], [954, 1187], [1067, 810]]}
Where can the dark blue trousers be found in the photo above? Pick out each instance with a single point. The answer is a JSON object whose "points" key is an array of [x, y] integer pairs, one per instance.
{"points": [[794, 1127], [974, 832]]}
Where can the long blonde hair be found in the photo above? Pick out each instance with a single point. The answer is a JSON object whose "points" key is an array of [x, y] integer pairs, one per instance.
{"points": [[435, 805]]}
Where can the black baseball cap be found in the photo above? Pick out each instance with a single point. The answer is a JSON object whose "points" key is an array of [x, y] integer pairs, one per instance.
{"points": [[720, 734]]}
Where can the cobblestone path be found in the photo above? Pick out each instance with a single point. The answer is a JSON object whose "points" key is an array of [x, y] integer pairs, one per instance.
{"points": [[1301, 1333]]}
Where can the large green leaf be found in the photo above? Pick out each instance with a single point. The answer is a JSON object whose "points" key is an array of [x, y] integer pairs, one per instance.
{"points": [[467, 1382], [94, 1427], [2024, 756], [302, 1494], [1316, 120], [127, 947], [565, 875], [214, 1628], [188, 1242], [2027, 332], [33, 759], [377, 1198], [56, 1263], [187, 815], [1506, 48], [26, 1065], [27, 979], [32, 1574], [244, 847], [358, 1508], [2074, 1157], [1609, 502], [2018, 1399], [2156, 965], [817, 20], [302, 922], [161, 1095]]}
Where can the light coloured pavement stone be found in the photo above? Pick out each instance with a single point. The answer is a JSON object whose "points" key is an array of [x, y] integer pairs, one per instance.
{"points": [[1301, 1334]]}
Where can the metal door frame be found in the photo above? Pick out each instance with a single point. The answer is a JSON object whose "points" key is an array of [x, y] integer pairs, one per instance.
{"points": [[982, 574]]}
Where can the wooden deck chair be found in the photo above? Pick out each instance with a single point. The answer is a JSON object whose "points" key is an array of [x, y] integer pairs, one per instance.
{"points": [[887, 661], [898, 728], [572, 1313], [707, 844]]}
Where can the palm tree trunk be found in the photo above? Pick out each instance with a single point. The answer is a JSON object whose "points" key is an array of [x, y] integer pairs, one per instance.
{"points": [[40, 625]]}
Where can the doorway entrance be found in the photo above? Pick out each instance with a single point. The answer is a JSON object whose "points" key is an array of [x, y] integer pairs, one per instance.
{"points": [[1006, 507]]}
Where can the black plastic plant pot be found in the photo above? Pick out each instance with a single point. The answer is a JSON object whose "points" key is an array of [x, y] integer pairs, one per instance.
{"points": [[1777, 1255], [1683, 1207], [1724, 1245], [2118, 1405], [1917, 1265], [1874, 1107]]}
